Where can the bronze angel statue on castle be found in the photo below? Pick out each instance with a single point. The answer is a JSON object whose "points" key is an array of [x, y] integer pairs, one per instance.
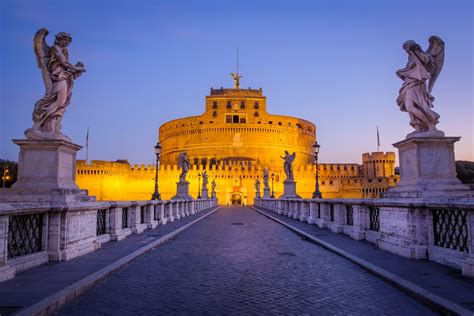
{"points": [[419, 77], [58, 76]]}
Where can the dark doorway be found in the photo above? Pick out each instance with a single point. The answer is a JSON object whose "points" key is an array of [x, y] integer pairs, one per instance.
{"points": [[236, 199]]}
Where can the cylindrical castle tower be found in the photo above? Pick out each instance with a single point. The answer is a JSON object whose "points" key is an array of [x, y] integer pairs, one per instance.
{"points": [[236, 127]]}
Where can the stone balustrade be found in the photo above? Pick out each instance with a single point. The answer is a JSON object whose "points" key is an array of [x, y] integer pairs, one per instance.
{"points": [[434, 229], [35, 233]]}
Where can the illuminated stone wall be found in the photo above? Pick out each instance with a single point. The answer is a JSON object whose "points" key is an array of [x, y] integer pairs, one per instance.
{"points": [[236, 127], [233, 140], [119, 181]]}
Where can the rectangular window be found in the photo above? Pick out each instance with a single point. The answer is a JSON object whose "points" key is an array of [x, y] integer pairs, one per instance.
{"points": [[256, 113], [235, 119], [214, 104], [229, 104], [214, 113], [242, 104], [228, 118], [270, 122], [243, 119], [255, 106]]}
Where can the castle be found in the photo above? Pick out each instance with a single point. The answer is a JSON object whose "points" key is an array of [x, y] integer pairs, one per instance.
{"points": [[233, 141]]}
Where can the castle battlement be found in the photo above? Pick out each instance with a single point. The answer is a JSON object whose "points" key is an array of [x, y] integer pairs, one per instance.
{"points": [[109, 168], [378, 157], [236, 92]]}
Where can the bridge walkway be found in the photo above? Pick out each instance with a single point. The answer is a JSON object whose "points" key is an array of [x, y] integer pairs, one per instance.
{"points": [[44, 286], [430, 277], [239, 261]]}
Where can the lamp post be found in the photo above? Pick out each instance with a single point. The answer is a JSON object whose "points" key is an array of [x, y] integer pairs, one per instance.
{"points": [[156, 194], [5, 176], [316, 193], [273, 192], [199, 185]]}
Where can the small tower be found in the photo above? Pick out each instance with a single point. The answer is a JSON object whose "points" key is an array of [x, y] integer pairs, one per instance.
{"points": [[378, 165]]}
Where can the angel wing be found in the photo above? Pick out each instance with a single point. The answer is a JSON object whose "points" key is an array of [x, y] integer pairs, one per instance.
{"points": [[293, 156], [42, 56], [436, 51]]}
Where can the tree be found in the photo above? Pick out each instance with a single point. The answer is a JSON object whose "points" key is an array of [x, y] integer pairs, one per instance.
{"points": [[8, 172], [465, 171]]}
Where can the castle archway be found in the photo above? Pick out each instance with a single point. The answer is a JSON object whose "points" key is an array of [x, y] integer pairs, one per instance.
{"points": [[236, 198]]}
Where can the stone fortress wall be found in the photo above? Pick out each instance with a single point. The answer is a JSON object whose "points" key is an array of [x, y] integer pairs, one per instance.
{"points": [[233, 140], [120, 181], [237, 127]]}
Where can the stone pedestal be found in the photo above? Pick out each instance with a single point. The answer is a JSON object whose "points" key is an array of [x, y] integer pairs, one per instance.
{"points": [[213, 194], [182, 191], [257, 194], [266, 193], [204, 193], [289, 190], [427, 169], [46, 172]]}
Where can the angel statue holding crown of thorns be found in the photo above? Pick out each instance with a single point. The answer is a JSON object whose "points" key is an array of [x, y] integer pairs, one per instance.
{"points": [[58, 76]]}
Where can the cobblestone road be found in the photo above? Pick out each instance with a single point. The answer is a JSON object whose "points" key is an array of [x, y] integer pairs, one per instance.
{"points": [[238, 261]]}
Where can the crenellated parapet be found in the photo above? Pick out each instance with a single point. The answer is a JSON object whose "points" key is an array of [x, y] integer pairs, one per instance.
{"points": [[122, 181]]}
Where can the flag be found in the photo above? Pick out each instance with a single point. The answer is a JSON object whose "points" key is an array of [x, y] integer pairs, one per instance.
{"points": [[378, 138]]}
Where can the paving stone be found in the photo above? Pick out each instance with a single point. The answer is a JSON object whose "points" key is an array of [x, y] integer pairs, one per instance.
{"points": [[35, 284], [259, 267], [441, 280]]}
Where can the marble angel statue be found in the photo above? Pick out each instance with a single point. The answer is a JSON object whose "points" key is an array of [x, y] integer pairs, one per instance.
{"points": [[419, 77], [58, 76], [205, 180], [265, 179], [288, 165], [257, 185], [183, 163]]}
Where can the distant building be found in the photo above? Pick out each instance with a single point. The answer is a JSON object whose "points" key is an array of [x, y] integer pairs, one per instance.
{"points": [[233, 140]]}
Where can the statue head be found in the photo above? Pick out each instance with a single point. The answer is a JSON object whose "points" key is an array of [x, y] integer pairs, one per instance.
{"points": [[63, 39], [410, 46], [434, 38]]}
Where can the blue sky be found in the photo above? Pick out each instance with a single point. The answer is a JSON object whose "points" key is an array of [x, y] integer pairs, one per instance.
{"points": [[331, 62]]}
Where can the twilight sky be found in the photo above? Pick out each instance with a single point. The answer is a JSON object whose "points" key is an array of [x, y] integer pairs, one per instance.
{"points": [[330, 62]]}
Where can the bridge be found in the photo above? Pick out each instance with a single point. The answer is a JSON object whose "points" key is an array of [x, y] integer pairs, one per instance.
{"points": [[279, 256], [408, 250]]}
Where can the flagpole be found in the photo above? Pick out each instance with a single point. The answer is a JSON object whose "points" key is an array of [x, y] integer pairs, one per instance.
{"points": [[378, 139], [87, 146]]}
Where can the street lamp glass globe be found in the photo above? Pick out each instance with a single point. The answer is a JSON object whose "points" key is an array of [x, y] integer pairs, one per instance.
{"points": [[158, 148], [316, 147]]}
